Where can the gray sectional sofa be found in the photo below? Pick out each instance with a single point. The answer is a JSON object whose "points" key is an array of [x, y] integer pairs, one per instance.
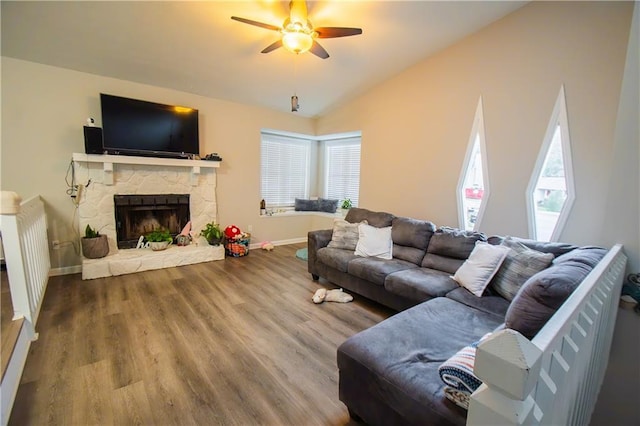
{"points": [[389, 372]]}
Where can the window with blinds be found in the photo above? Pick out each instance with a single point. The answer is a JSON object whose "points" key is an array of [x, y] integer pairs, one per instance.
{"points": [[285, 169], [342, 169]]}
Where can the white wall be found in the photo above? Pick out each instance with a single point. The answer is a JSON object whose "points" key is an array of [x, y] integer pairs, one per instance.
{"points": [[44, 109], [416, 126]]}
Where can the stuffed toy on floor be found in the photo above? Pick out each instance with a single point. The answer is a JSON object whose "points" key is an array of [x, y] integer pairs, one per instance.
{"points": [[337, 295]]}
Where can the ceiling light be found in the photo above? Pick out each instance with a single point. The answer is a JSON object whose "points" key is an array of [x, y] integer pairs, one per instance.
{"points": [[297, 42], [297, 37]]}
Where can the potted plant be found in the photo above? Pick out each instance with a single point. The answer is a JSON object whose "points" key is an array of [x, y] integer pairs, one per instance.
{"points": [[346, 204], [94, 244], [212, 233], [159, 239]]}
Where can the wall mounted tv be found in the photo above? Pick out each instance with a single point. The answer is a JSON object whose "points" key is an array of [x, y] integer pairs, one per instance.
{"points": [[134, 127]]}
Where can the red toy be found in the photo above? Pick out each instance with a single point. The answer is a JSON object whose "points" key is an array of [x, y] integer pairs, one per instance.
{"points": [[232, 231]]}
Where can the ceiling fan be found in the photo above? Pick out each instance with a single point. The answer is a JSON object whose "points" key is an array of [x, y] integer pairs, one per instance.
{"points": [[298, 35]]}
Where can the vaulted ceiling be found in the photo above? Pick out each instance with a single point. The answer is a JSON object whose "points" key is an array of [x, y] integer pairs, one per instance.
{"points": [[195, 47]]}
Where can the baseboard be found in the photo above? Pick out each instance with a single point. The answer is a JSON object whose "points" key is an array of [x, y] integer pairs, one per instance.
{"points": [[281, 242], [66, 270]]}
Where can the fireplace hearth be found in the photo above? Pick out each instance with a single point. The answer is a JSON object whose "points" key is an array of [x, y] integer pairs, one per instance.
{"points": [[138, 215]]}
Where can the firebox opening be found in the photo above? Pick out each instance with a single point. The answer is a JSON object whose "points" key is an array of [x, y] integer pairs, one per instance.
{"points": [[138, 215]]}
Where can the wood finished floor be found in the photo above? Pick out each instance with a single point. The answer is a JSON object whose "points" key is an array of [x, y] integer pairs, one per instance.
{"points": [[235, 342]]}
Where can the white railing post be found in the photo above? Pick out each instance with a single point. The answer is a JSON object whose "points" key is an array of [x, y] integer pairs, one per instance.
{"points": [[509, 366]]}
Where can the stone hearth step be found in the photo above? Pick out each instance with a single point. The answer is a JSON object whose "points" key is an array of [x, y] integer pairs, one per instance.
{"points": [[138, 260]]}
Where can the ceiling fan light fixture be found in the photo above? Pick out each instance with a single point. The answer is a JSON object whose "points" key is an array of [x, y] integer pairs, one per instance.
{"points": [[297, 41]]}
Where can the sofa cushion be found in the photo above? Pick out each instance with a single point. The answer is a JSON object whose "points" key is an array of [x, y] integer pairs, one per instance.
{"points": [[377, 219], [397, 360], [483, 263], [374, 242], [375, 270], [344, 236], [335, 258], [554, 248], [588, 255], [542, 295], [420, 284], [520, 264], [411, 238], [491, 304], [449, 248]]}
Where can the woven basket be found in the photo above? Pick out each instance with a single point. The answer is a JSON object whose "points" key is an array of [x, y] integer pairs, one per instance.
{"points": [[237, 247]]}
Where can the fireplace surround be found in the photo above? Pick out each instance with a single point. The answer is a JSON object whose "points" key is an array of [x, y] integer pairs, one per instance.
{"points": [[146, 178]]}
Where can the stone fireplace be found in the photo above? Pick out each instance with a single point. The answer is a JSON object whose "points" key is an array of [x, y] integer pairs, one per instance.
{"points": [[154, 192]]}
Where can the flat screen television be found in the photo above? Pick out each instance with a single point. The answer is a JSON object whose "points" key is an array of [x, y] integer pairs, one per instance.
{"points": [[135, 127]]}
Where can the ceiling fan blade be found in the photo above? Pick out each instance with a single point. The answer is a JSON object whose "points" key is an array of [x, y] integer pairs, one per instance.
{"points": [[318, 50], [333, 32], [256, 23], [272, 47], [298, 11]]}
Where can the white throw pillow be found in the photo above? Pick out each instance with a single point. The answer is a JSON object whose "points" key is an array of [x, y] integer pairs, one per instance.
{"points": [[374, 242], [483, 263]]}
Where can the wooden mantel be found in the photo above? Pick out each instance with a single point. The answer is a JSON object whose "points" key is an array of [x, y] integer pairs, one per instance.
{"points": [[109, 160]]}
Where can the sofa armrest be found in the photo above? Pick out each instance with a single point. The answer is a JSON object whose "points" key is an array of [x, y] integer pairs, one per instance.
{"points": [[315, 241]]}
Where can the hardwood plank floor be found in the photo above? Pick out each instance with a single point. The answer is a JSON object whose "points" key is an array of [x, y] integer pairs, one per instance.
{"points": [[234, 342]]}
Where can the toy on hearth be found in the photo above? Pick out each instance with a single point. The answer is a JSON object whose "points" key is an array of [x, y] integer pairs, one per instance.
{"points": [[232, 232]]}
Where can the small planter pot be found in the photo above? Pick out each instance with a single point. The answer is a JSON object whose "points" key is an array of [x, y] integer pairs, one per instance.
{"points": [[95, 248], [159, 245], [215, 241]]}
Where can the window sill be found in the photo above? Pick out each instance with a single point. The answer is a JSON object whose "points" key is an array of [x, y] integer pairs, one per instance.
{"points": [[340, 214]]}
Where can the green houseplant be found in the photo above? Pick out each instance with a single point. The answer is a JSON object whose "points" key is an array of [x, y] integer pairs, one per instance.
{"points": [[94, 244], [346, 204], [212, 233], [159, 239]]}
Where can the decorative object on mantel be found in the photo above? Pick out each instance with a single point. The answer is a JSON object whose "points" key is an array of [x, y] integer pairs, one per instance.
{"points": [[94, 244], [159, 239], [184, 237], [212, 233]]}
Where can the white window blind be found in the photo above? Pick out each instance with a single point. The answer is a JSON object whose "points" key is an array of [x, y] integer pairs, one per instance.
{"points": [[284, 169], [342, 169]]}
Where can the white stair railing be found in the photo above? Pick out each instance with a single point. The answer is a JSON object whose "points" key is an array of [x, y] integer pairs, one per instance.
{"points": [[23, 226], [555, 378]]}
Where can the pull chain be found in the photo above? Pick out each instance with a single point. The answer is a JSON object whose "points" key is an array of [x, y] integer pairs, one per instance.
{"points": [[294, 99]]}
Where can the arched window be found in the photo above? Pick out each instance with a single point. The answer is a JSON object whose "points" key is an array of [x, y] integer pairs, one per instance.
{"points": [[551, 192], [473, 185]]}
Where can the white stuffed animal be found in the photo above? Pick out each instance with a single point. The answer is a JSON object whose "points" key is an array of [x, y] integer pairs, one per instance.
{"points": [[337, 295]]}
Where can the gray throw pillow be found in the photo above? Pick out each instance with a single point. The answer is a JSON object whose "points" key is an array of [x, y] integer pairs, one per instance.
{"points": [[520, 264], [302, 205], [542, 295], [328, 206], [345, 235]]}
